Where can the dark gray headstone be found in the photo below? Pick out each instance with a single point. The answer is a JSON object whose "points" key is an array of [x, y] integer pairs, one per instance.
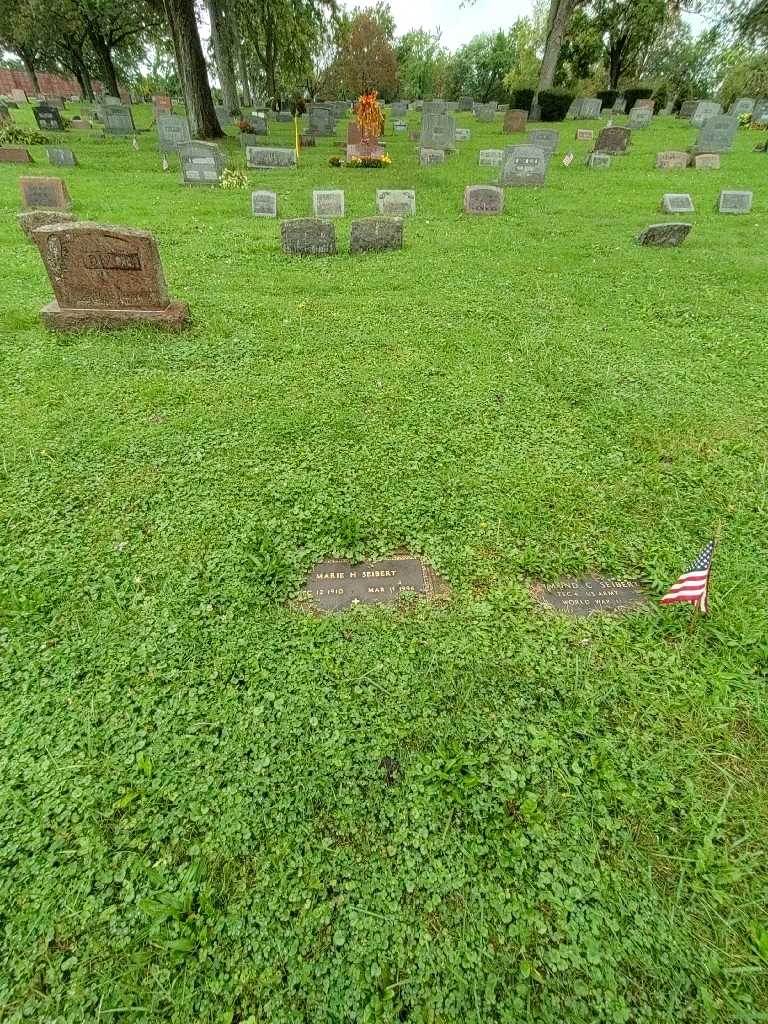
{"points": [[268, 157], [60, 156], [264, 204], [483, 199], [118, 120], [48, 118], [466, 104], [544, 138], [172, 131], [671, 234], [704, 110], [688, 108], [734, 202], [717, 134], [523, 166], [760, 111], [743, 105], [337, 585], [308, 236], [592, 594], [328, 202], [201, 163], [613, 140], [376, 234]]}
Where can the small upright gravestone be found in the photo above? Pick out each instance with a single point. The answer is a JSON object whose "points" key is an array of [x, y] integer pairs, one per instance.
{"points": [[639, 117], [399, 108], [515, 121], [396, 202], [584, 135], [270, 157], [687, 109], [667, 235], [619, 106], [162, 104], [743, 105], [706, 161], [80, 123], [264, 204], [60, 156], [671, 160], [104, 276], [44, 194], [48, 118], [760, 111], [376, 234], [466, 103], [717, 134], [463, 134], [172, 132], [18, 95], [704, 110], [328, 202], [485, 112], [614, 140], [676, 202], [490, 157], [546, 139], [523, 166], [483, 199], [118, 121], [734, 202], [201, 163], [307, 236], [427, 157]]}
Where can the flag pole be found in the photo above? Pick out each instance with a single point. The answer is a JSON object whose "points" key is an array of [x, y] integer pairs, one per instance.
{"points": [[296, 136]]}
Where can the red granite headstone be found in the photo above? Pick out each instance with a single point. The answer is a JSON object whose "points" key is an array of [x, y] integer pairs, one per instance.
{"points": [[15, 155], [44, 193]]}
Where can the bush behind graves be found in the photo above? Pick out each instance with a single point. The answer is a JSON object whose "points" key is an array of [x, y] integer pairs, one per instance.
{"points": [[635, 93], [18, 135], [521, 98], [608, 96], [555, 103]]}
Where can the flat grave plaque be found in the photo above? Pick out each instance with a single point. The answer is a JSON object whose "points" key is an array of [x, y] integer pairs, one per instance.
{"points": [[336, 585], [591, 594]]}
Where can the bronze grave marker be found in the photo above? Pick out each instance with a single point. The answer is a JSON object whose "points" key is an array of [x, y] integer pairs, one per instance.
{"points": [[336, 585], [590, 594]]}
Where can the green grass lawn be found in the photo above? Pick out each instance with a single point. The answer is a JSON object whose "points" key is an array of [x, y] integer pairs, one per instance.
{"points": [[194, 823]]}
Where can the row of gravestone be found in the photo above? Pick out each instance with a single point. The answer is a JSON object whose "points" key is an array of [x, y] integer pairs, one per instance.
{"points": [[728, 201], [331, 203]]}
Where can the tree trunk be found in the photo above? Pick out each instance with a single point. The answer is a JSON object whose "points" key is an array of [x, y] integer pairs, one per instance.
{"points": [[220, 36], [237, 49], [559, 13], [104, 57], [29, 66], [193, 75]]}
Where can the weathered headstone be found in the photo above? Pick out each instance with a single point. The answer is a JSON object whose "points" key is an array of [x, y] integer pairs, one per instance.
{"points": [[760, 111], [676, 202], [463, 134], [399, 126], [598, 161], [466, 104], [515, 121], [376, 234], [671, 160], [428, 157], [79, 122], [614, 140], [321, 120], [706, 161], [688, 108], [270, 157], [162, 104], [433, 107], [257, 122], [717, 134], [544, 138], [328, 202], [646, 102], [283, 117], [201, 163], [307, 141], [734, 202], [523, 166], [308, 236], [44, 193], [264, 204], [399, 108], [112, 101], [490, 157], [55, 101], [704, 110], [396, 202], [19, 95], [483, 199], [639, 117], [584, 108], [336, 585], [584, 135], [104, 276], [590, 595], [438, 131], [15, 155], [48, 118], [61, 156], [485, 112], [172, 132], [33, 219], [671, 234], [619, 106], [118, 120], [743, 105]]}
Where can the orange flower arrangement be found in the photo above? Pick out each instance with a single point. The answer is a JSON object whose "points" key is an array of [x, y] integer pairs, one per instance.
{"points": [[369, 116]]}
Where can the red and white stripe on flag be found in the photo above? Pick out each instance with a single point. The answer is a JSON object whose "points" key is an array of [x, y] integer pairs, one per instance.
{"points": [[693, 585]]}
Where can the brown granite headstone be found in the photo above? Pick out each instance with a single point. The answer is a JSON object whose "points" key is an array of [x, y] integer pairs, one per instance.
{"points": [[671, 160], [515, 121], [44, 193], [104, 276], [15, 155], [354, 134], [613, 140], [34, 219]]}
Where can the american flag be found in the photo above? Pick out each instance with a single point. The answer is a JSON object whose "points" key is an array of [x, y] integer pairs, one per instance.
{"points": [[693, 585]]}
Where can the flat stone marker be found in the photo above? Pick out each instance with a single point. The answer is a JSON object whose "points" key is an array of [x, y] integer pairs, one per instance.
{"points": [[584, 135], [172, 132], [60, 156], [264, 204], [307, 236], [483, 199], [376, 234], [671, 160], [589, 595], [614, 140], [544, 138], [48, 118], [523, 167], [427, 157], [33, 219], [717, 134], [44, 193], [491, 157], [706, 161], [704, 110], [328, 202], [734, 202], [672, 234], [515, 121], [104, 276], [676, 202], [201, 163], [598, 161], [118, 121], [15, 155], [463, 134], [396, 202], [639, 117], [335, 586], [269, 157]]}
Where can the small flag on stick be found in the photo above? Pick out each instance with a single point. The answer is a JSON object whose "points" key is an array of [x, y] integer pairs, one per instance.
{"points": [[567, 159], [693, 585]]}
